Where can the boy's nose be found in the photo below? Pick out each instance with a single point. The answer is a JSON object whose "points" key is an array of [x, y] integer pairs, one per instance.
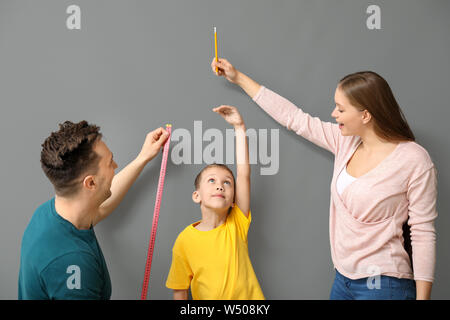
{"points": [[219, 188]]}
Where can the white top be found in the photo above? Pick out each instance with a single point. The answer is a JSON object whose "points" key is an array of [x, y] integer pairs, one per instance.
{"points": [[343, 180]]}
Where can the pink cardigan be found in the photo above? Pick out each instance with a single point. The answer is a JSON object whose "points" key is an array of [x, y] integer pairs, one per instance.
{"points": [[366, 221]]}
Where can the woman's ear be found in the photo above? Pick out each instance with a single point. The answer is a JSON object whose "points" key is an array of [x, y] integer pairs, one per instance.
{"points": [[366, 117], [196, 196]]}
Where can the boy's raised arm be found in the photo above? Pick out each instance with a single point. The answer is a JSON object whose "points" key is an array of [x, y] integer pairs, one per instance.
{"points": [[242, 188]]}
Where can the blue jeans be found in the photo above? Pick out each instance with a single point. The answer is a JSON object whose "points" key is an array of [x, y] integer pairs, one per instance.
{"points": [[383, 288]]}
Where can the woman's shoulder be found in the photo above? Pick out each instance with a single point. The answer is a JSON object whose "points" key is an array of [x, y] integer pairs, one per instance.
{"points": [[414, 159], [414, 152]]}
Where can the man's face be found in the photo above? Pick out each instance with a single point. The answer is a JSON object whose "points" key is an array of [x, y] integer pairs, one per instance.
{"points": [[105, 173]]}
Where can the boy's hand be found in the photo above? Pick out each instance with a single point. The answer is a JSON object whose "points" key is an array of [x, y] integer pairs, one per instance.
{"points": [[153, 143], [230, 114]]}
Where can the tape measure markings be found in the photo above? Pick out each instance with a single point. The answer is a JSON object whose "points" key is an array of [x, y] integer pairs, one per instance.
{"points": [[151, 246]]}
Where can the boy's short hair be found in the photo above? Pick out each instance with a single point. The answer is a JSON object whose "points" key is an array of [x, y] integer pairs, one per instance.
{"points": [[67, 153], [217, 165]]}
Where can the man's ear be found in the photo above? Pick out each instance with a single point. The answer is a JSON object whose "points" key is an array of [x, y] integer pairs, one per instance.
{"points": [[89, 183], [196, 197]]}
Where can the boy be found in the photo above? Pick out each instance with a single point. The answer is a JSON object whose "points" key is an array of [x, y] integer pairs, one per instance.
{"points": [[211, 256]]}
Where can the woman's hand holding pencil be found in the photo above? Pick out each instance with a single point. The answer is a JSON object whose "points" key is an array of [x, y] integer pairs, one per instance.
{"points": [[226, 69]]}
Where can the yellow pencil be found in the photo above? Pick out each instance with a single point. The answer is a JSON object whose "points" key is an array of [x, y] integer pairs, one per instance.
{"points": [[215, 42]]}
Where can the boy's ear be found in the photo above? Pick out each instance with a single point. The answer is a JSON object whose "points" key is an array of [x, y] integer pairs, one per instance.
{"points": [[196, 196]]}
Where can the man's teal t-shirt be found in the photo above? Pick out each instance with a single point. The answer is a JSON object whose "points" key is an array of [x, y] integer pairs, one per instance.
{"points": [[58, 261]]}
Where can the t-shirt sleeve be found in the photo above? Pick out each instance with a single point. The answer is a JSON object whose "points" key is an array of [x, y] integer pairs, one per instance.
{"points": [[73, 276], [241, 221], [180, 273]]}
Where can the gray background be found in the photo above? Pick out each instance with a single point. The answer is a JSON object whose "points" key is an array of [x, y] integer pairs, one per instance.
{"points": [[136, 65]]}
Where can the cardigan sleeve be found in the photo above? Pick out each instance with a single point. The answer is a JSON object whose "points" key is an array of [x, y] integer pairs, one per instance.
{"points": [[422, 193], [323, 134]]}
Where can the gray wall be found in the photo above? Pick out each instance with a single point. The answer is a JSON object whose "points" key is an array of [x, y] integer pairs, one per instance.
{"points": [[136, 65]]}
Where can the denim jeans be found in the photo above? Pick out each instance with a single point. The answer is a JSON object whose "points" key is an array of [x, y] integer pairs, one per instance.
{"points": [[382, 288]]}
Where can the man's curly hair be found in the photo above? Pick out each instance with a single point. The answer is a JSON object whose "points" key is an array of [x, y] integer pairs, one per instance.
{"points": [[67, 153]]}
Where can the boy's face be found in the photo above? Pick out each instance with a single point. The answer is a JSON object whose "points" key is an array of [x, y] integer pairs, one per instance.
{"points": [[216, 189]]}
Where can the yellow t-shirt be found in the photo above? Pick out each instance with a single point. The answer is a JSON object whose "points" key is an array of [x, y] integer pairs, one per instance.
{"points": [[215, 263]]}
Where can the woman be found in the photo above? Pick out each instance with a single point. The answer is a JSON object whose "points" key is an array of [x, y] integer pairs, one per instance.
{"points": [[382, 180]]}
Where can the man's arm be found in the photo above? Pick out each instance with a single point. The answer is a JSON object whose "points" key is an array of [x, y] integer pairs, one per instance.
{"points": [[122, 181], [74, 276]]}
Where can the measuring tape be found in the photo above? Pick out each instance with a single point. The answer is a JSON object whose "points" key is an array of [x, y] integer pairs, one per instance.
{"points": [[151, 246]]}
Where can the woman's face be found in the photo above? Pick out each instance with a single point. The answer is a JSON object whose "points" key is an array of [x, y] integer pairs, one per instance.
{"points": [[350, 118]]}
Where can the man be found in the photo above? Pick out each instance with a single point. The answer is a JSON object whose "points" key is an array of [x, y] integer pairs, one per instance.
{"points": [[60, 255]]}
